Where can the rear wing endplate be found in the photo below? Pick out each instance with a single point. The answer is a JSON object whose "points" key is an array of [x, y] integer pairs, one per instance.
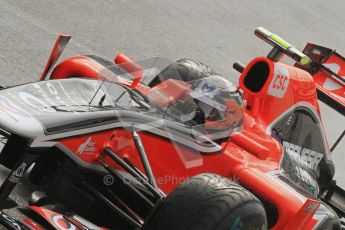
{"points": [[328, 70]]}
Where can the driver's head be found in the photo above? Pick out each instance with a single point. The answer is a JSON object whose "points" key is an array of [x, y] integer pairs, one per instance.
{"points": [[221, 104], [213, 103]]}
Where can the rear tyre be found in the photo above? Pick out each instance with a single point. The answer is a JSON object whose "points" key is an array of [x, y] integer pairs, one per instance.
{"points": [[208, 202], [184, 70]]}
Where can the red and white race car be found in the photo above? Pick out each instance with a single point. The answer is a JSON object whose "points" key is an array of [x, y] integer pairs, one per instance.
{"points": [[156, 144]]}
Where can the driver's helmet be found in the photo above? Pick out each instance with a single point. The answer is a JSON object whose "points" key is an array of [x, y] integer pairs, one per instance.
{"points": [[220, 105]]}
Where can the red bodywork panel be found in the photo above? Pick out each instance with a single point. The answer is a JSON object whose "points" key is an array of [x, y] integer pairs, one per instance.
{"points": [[61, 222], [285, 87], [248, 157], [33, 225], [55, 219], [85, 67]]}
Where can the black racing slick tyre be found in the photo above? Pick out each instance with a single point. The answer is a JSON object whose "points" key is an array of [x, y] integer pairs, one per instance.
{"points": [[184, 70], [208, 202]]}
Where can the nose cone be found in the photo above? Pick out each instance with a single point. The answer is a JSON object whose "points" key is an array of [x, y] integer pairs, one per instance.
{"points": [[16, 120], [27, 110]]}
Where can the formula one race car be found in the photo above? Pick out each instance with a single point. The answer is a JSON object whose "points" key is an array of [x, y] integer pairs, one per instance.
{"points": [[157, 144]]}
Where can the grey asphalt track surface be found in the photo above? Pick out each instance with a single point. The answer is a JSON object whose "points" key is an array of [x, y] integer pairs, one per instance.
{"points": [[217, 32]]}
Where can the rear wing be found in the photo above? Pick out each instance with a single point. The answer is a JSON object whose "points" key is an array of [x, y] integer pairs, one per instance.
{"points": [[326, 66], [328, 70]]}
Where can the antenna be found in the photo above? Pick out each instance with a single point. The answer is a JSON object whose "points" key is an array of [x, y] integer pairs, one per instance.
{"points": [[338, 140], [93, 97]]}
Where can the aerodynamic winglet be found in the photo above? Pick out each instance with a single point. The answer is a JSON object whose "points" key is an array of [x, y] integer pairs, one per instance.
{"points": [[304, 217], [59, 46]]}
